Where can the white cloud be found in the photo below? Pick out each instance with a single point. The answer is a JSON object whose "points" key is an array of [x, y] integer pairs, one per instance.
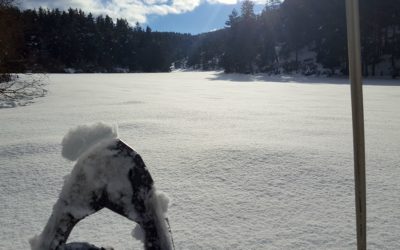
{"points": [[223, 1], [132, 10]]}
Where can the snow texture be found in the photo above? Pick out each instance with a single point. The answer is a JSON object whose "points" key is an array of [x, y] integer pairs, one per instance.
{"points": [[250, 161], [80, 139]]}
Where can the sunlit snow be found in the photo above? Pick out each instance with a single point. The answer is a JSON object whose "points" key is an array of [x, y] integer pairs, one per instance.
{"points": [[249, 162]]}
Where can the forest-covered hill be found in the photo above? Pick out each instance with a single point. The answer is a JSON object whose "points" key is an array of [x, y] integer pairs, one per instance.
{"points": [[56, 41], [302, 36], [295, 36]]}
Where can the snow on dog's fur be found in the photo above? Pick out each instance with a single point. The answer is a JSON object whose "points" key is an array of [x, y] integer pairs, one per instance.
{"points": [[110, 174], [81, 138]]}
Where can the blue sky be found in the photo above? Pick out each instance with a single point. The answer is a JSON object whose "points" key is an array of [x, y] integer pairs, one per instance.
{"points": [[185, 16], [206, 17]]}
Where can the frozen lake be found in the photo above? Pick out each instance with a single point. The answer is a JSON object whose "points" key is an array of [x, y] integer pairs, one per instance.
{"points": [[248, 162]]}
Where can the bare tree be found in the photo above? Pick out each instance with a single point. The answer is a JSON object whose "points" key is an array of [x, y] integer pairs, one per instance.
{"points": [[14, 89], [21, 87]]}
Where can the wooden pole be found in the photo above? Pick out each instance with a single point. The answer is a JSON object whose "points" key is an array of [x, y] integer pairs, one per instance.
{"points": [[354, 53]]}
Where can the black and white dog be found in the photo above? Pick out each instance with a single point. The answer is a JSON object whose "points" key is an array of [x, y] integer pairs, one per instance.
{"points": [[108, 175]]}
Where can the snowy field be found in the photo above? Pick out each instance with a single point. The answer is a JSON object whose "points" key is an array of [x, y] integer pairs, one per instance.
{"points": [[249, 162]]}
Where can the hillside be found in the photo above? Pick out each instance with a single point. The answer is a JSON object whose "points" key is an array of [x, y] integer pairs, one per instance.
{"points": [[296, 36], [302, 36]]}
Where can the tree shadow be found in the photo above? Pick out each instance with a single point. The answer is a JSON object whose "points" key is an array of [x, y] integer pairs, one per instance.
{"points": [[263, 77], [21, 89]]}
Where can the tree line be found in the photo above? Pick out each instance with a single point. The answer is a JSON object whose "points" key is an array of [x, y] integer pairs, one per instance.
{"points": [[301, 36], [46, 40]]}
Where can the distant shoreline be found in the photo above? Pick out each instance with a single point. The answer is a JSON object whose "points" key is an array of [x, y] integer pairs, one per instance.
{"points": [[258, 77]]}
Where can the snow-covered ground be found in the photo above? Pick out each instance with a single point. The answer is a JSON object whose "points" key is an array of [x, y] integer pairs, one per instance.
{"points": [[249, 162]]}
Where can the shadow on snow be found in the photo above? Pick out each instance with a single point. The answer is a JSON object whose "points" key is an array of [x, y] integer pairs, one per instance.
{"points": [[235, 77]]}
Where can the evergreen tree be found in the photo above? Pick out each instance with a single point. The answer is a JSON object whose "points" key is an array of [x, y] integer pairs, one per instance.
{"points": [[45, 40]]}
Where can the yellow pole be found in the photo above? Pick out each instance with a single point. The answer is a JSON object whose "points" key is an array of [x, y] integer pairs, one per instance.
{"points": [[354, 53]]}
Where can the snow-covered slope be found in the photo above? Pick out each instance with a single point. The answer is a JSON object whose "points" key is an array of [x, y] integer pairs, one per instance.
{"points": [[249, 162]]}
